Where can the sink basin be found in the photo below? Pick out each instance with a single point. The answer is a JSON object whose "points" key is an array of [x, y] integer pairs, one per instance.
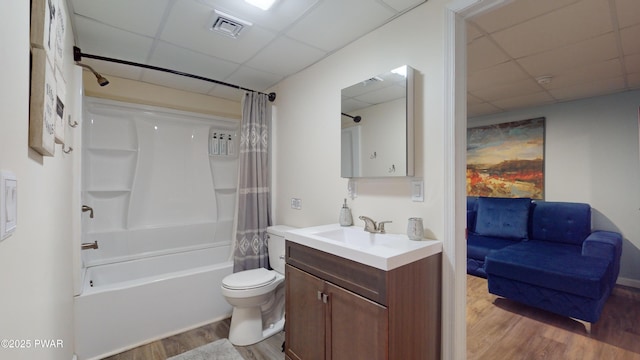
{"points": [[382, 251]]}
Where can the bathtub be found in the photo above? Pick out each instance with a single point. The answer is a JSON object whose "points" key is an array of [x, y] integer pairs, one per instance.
{"points": [[130, 303]]}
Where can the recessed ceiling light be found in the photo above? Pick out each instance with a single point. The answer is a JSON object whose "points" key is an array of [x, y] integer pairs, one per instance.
{"points": [[262, 4]]}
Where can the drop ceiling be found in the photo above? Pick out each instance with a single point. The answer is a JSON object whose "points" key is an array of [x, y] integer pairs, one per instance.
{"points": [[582, 48], [175, 34], [587, 47]]}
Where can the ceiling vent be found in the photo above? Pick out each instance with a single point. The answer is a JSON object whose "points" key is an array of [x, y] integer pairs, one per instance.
{"points": [[227, 25]]}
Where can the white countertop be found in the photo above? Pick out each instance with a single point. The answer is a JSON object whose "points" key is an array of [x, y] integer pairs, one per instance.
{"points": [[382, 251]]}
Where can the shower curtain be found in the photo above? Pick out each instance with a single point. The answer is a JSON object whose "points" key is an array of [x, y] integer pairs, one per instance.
{"points": [[254, 196]]}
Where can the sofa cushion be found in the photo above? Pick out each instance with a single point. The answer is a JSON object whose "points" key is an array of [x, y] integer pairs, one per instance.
{"points": [[560, 222], [503, 217], [558, 270], [479, 246]]}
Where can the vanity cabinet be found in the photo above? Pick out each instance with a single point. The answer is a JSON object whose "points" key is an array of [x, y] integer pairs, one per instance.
{"points": [[341, 309]]}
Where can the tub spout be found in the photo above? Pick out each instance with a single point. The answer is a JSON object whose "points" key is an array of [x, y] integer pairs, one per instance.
{"points": [[87, 246], [86, 208]]}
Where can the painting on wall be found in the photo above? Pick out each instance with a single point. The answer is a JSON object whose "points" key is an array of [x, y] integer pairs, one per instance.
{"points": [[506, 160], [48, 86]]}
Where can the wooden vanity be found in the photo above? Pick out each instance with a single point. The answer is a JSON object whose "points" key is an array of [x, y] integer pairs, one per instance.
{"points": [[337, 308]]}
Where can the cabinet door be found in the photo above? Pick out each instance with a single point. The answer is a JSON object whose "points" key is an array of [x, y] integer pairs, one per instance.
{"points": [[357, 328], [305, 316]]}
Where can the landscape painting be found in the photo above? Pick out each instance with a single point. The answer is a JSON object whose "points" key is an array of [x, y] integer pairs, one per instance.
{"points": [[506, 160]]}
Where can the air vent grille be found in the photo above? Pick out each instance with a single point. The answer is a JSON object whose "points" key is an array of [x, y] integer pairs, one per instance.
{"points": [[227, 25]]}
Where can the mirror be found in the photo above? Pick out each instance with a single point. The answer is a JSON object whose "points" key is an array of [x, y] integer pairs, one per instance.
{"points": [[377, 126]]}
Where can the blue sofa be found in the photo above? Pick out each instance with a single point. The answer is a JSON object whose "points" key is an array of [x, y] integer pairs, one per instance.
{"points": [[543, 254]]}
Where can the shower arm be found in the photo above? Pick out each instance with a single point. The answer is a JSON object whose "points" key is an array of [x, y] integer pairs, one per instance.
{"points": [[78, 55]]}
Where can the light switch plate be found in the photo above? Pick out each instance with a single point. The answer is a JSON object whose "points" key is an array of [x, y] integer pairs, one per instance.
{"points": [[8, 204], [417, 190]]}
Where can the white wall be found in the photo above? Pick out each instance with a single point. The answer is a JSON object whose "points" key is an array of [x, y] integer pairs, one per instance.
{"points": [[307, 129], [307, 145], [36, 261], [592, 156]]}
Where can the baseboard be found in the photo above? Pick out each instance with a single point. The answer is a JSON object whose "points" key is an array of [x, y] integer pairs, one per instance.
{"points": [[629, 282]]}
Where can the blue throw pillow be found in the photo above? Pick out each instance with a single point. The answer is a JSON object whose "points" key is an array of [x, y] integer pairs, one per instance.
{"points": [[503, 217]]}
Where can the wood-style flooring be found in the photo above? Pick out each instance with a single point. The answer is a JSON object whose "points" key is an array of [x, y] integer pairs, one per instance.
{"points": [[270, 349], [497, 328]]}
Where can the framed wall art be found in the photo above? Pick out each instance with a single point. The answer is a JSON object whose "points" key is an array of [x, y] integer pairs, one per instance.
{"points": [[42, 107], [506, 160]]}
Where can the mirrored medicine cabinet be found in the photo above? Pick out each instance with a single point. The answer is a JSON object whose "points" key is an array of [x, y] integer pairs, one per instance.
{"points": [[377, 126]]}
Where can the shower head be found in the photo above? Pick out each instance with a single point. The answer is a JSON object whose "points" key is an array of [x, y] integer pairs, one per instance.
{"points": [[102, 81]]}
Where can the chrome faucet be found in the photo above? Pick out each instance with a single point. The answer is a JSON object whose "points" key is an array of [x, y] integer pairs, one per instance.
{"points": [[88, 208], [371, 226], [87, 246]]}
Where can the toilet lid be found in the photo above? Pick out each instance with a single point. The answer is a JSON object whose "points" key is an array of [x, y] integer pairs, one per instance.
{"points": [[249, 279]]}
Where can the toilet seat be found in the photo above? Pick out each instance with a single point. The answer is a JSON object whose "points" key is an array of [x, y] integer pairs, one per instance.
{"points": [[249, 279]]}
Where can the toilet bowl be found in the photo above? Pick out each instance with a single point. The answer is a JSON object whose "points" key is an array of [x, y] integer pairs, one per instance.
{"points": [[257, 295]]}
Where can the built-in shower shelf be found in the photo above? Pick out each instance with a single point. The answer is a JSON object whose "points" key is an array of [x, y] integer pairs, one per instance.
{"points": [[107, 192], [114, 151]]}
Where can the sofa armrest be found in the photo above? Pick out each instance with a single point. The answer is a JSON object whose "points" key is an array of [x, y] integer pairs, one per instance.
{"points": [[605, 244]]}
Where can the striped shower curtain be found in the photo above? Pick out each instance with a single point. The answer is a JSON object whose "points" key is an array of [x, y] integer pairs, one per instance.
{"points": [[254, 196]]}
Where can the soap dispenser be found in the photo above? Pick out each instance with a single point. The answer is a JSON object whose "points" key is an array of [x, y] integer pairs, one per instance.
{"points": [[345, 215]]}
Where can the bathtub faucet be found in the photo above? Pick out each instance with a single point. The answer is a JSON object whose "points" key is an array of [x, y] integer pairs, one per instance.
{"points": [[86, 208], [87, 246]]}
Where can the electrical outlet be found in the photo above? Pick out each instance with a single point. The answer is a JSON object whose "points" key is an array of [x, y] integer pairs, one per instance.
{"points": [[296, 203]]}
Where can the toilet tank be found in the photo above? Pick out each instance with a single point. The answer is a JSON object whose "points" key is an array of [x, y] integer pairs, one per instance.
{"points": [[276, 248]]}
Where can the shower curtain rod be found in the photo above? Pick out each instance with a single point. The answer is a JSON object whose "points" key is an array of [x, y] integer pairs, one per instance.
{"points": [[78, 55]]}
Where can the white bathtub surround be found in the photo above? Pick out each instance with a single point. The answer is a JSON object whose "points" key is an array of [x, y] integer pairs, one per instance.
{"points": [[132, 303], [163, 204]]}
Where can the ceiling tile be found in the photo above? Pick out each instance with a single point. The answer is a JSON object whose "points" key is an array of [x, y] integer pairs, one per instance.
{"points": [[270, 58], [516, 12], [632, 63], [496, 75], [634, 80], [473, 100], [99, 39], [630, 40], [139, 16], [523, 101], [628, 12], [575, 55], [279, 17], [589, 89], [507, 90], [195, 35], [172, 57], [583, 20], [249, 77], [402, 5], [176, 81], [482, 53], [481, 109], [331, 25], [589, 73], [472, 32]]}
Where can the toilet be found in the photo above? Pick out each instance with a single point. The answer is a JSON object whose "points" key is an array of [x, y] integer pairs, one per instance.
{"points": [[257, 295]]}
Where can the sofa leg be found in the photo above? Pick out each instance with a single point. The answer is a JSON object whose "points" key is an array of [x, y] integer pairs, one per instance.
{"points": [[587, 325]]}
